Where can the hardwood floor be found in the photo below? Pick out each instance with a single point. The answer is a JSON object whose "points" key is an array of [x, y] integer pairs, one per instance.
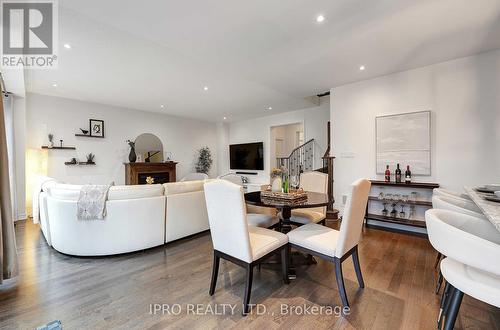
{"points": [[116, 292]]}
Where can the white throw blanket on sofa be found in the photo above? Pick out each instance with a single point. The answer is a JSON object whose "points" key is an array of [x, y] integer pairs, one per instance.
{"points": [[92, 202]]}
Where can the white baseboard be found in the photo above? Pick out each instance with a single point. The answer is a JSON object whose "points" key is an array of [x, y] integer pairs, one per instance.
{"points": [[21, 216]]}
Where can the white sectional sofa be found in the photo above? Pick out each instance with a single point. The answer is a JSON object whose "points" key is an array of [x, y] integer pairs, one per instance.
{"points": [[186, 212], [138, 217]]}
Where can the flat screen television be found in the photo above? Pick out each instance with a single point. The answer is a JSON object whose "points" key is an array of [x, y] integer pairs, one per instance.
{"points": [[247, 156]]}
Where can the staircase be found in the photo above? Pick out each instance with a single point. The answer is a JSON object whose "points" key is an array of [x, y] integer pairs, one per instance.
{"points": [[301, 159]]}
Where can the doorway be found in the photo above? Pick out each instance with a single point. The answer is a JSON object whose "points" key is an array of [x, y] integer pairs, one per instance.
{"points": [[284, 139]]}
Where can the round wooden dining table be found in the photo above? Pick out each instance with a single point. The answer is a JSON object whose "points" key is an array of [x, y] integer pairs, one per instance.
{"points": [[313, 200]]}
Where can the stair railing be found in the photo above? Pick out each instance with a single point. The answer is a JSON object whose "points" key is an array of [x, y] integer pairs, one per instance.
{"points": [[301, 159]]}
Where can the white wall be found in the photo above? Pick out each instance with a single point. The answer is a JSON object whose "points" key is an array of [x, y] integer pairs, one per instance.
{"points": [[259, 130], [63, 117], [222, 148], [464, 98]]}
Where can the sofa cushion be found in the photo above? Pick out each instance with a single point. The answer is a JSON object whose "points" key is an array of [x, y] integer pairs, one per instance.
{"points": [[68, 192], [47, 184], [173, 188], [44, 182], [135, 191], [72, 192]]}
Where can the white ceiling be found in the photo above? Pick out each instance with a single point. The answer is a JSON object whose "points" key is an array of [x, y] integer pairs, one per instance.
{"points": [[251, 54]]}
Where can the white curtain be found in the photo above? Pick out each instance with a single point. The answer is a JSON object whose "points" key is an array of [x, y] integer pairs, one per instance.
{"points": [[8, 108]]}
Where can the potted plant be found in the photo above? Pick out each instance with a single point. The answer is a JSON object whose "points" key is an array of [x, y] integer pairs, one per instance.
{"points": [[204, 162], [90, 158]]}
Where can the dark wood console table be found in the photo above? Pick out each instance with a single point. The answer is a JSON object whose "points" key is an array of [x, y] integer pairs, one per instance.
{"points": [[138, 173], [419, 223]]}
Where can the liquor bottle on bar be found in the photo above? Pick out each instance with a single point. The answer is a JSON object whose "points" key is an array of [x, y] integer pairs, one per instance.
{"points": [[387, 174], [408, 174], [398, 174]]}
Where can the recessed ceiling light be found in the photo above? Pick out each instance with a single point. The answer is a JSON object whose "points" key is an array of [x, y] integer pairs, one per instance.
{"points": [[224, 118], [269, 108], [162, 106], [320, 18], [54, 85], [205, 88], [361, 68], [67, 46]]}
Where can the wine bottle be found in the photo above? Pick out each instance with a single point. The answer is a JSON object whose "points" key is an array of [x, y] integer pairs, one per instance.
{"points": [[408, 174], [387, 174], [398, 174]]}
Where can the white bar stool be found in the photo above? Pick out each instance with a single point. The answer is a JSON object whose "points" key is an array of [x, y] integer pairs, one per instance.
{"points": [[472, 245]]}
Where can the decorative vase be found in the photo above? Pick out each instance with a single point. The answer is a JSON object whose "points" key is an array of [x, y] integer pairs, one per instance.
{"points": [[132, 157], [276, 184], [51, 144]]}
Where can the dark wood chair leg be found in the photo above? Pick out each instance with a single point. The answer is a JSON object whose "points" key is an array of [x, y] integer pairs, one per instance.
{"points": [[438, 259], [446, 292], [446, 306], [439, 282], [285, 251], [451, 315], [248, 289], [357, 268], [340, 281], [215, 272]]}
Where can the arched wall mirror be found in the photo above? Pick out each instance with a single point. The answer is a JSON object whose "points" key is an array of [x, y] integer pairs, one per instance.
{"points": [[149, 147]]}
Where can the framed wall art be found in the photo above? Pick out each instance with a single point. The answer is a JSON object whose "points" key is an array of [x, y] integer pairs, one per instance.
{"points": [[405, 139], [96, 127]]}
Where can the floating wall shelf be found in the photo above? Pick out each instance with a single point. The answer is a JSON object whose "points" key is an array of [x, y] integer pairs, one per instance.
{"points": [[59, 148], [90, 136], [79, 163]]}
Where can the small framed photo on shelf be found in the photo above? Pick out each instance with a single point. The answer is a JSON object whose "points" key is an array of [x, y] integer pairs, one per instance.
{"points": [[96, 127]]}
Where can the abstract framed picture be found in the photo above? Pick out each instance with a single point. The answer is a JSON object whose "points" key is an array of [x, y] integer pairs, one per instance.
{"points": [[404, 139], [96, 127]]}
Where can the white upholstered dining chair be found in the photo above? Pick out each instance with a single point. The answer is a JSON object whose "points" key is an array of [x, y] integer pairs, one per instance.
{"points": [[262, 220], [337, 245], [234, 240], [449, 193], [231, 177], [456, 204], [315, 182], [194, 177], [471, 246], [459, 205]]}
